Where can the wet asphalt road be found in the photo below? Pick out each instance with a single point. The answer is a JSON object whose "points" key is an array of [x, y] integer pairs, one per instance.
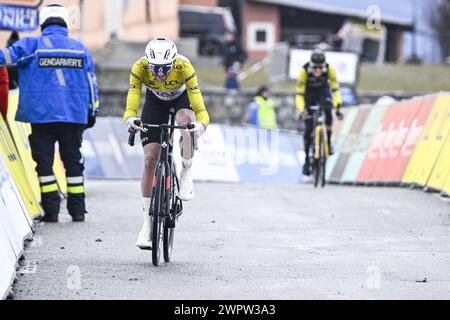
{"points": [[249, 242]]}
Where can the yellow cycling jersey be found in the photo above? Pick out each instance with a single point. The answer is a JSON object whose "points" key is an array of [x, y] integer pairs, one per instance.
{"points": [[182, 77], [306, 81]]}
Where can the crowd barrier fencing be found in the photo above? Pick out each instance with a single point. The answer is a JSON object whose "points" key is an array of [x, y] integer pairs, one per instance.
{"points": [[431, 143], [226, 154], [17, 170], [406, 143], [15, 228], [441, 172]]}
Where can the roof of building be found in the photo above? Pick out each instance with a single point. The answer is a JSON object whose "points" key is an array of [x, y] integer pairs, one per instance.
{"points": [[398, 12]]}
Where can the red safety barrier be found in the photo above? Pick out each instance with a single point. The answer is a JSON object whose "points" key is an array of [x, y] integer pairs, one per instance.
{"points": [[395, 141]]}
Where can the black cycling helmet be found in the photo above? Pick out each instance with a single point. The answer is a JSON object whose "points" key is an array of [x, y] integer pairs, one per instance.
{"points": [[318, 58]]}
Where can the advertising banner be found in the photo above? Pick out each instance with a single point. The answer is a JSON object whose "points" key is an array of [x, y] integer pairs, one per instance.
{"points": [[262, 156], [433, 140], [15, 227], [394, 142], [441, 171], [225, 154], [19, 18], [336, 164], [361, 136], [15, 166], [213, 160]]}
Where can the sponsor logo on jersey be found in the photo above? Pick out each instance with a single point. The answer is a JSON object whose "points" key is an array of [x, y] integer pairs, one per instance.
{"points": [[169, 95], [190, 77], [194, 90], [171, 83]]}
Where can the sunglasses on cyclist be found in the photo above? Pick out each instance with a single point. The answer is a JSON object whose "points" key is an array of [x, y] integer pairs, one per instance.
{"points": [[160, 69]]}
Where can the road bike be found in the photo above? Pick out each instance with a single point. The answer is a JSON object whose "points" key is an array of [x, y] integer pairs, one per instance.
{"points": [[166, 207], [320, 146]]}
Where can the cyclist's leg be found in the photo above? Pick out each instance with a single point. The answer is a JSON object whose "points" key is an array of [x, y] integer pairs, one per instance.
{"points": [[327, 105], [307, 135], [155, 111], [184, 116]]}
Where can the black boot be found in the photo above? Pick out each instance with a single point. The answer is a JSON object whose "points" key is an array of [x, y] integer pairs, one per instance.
{"points": [[78, 217], [307, 168], [51, 204], [50, 218], [76, 207]]}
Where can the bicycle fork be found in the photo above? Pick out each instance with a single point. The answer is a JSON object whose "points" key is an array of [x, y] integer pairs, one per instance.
{"points": [[320, 130]]}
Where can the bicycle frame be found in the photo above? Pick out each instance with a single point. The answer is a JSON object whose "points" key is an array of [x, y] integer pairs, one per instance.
{"points": [[318, 132], [166, 162]]}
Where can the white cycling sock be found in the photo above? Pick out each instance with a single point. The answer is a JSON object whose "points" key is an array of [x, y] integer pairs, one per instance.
{"points": [[187, 163], [146, 208]]}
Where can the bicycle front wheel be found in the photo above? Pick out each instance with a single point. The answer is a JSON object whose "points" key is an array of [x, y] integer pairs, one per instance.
{"points": [[168, 237], [171, 216], [320, 161], [158, 212]]}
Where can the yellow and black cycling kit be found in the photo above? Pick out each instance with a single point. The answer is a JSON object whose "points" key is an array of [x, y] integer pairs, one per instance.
{"points": [[181, 79], [313, 90]]}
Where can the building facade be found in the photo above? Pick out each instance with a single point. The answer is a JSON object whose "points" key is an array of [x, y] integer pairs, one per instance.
{"points": [[97, 22]]}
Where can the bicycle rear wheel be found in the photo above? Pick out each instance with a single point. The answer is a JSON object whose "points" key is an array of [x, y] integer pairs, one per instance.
{"points": [[158, 213], [323, 160], [320, 163]]}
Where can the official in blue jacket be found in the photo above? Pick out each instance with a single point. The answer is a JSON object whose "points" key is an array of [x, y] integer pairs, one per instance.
{"points": [[58, 96]]}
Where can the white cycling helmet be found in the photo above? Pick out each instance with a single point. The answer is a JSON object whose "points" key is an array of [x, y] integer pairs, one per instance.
{"points": [[54, 11], [161, 54]]}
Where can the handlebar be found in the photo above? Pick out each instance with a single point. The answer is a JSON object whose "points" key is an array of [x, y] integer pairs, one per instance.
{"points": [[132, 132]]}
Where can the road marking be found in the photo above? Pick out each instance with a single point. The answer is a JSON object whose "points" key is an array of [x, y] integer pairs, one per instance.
{"points": [[29, 268], [37, 242]]}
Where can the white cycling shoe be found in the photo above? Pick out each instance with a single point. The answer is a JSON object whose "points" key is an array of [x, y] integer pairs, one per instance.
{"points": [[186, 185], [144, 241]]}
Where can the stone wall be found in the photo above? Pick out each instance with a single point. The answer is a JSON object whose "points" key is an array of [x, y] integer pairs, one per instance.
{"points": [[224, 107]]}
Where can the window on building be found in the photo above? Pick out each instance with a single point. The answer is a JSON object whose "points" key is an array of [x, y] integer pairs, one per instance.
{"points": [[260, 36]]}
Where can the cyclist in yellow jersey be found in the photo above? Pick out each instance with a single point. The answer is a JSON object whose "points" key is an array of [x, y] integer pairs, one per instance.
{"points": [[171, 82], [317, 85]]}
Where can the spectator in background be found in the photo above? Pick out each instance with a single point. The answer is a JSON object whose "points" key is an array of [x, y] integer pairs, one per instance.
{"points": [[262, 110], [13, 72], [9, 79], [233, 52], [232, 81], [4, 92], [59, 98]]}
